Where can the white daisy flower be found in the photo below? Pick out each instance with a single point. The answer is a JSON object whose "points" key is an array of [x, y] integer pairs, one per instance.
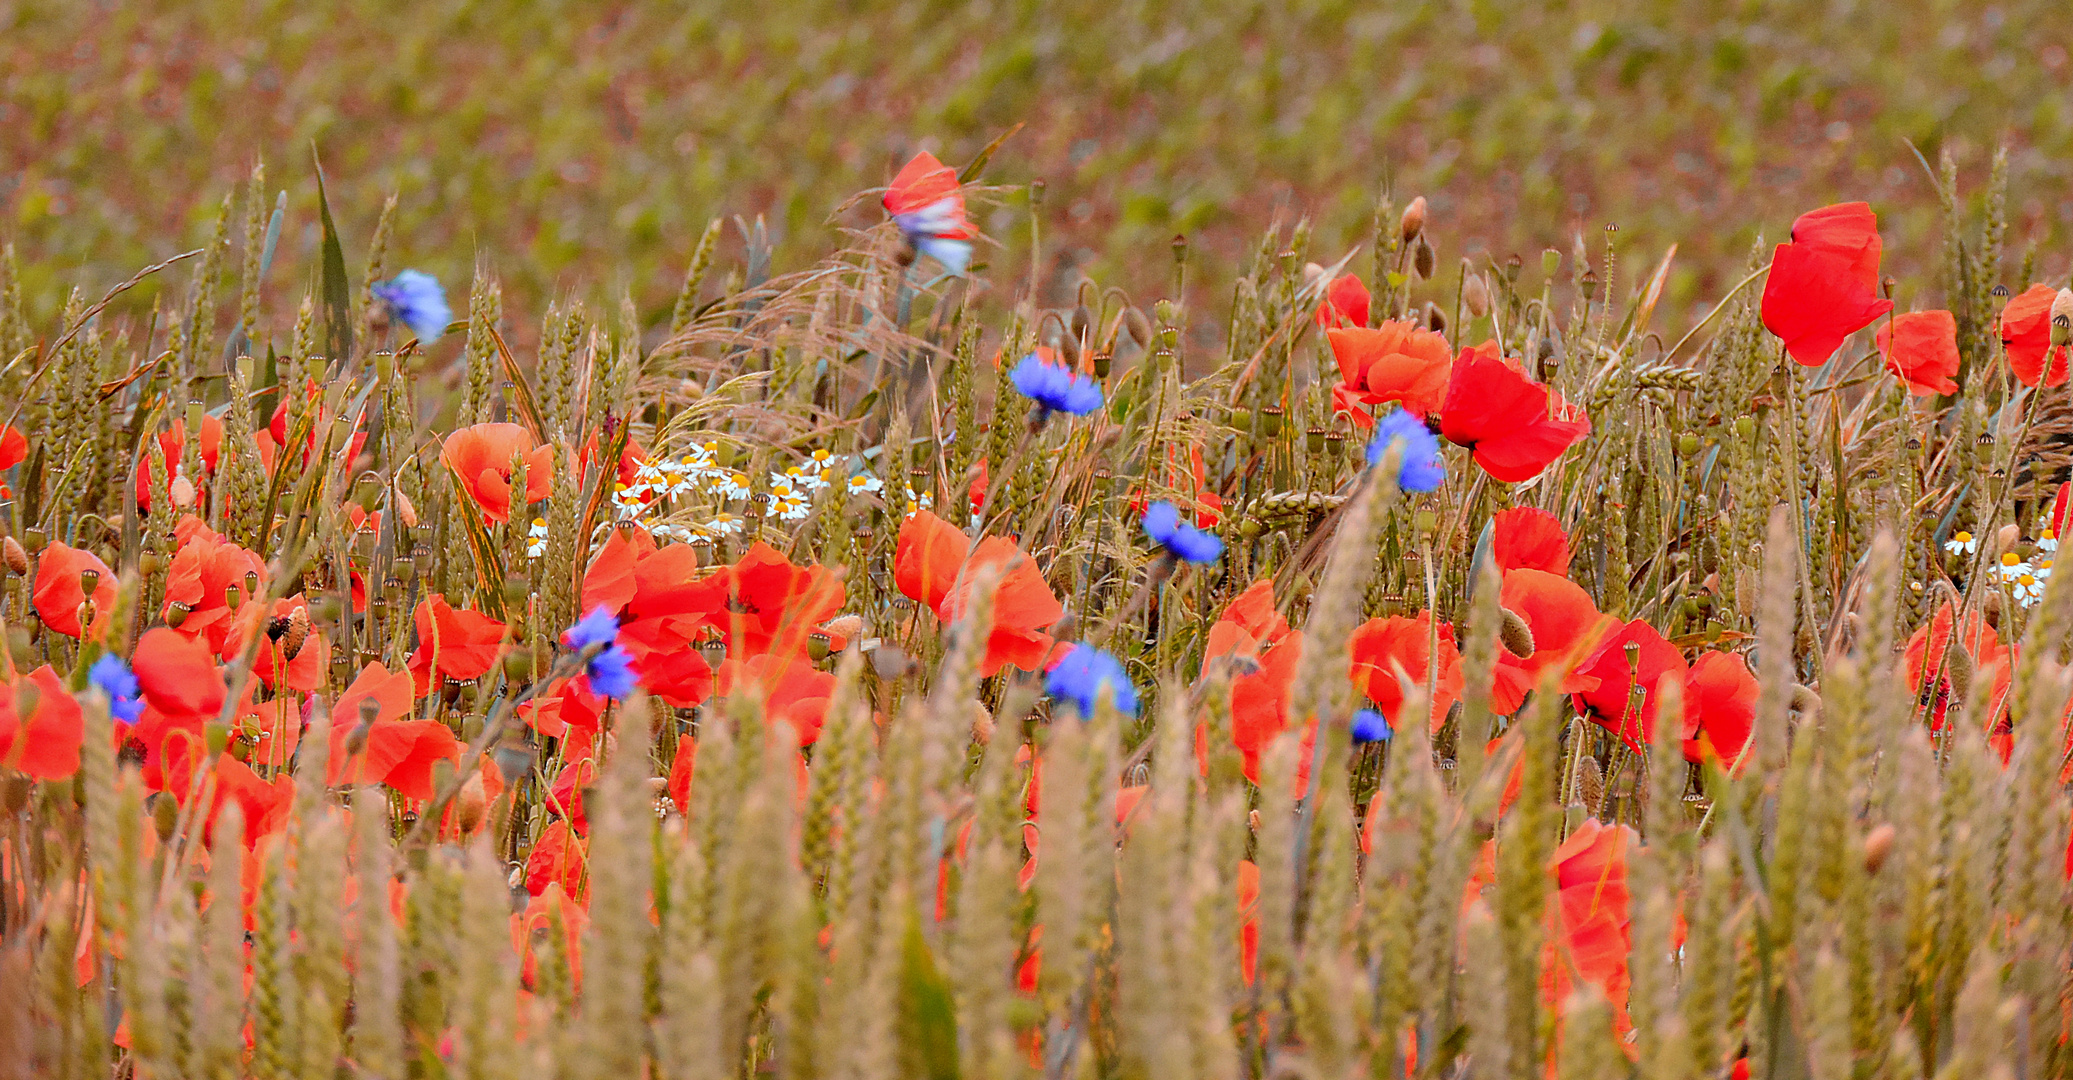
{"points": [[792, 506], [629, 497], [801, 479], [917, 504], [2029, 589], [729, 484], [722, 524], [1963, 543], [819, 461], [536, 539], [863, 483], [2048, 542], [2013, 567]]}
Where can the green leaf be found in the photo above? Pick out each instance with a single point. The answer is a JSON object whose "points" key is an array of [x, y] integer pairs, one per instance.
{"points": [[977, 166], [337, 294], [927, 1019]]}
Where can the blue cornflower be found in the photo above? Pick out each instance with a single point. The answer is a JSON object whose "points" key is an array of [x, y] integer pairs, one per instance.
{"points": [[1370, 726], [416, 300], [1181, 540], [1055, 388], [610, 668], [115, 679], [1420, 468], [1081, 675]]}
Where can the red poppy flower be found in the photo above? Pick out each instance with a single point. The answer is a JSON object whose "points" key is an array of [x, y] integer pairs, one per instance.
{"points": [[2026, 337], [262, 805], [399, 753], [1022, 605], [391, 692], [1397, 361], [41, 726], [1927, 666], [1515, 426], [480, 458], [1823, 285], [2061, 510], [177, 675], [557, 857], [1346, 401], [1252, 633], [1528, 538], [308, 668], [173, 444], [1921, 350], [1719, 709], [928, 557], [206, 569], [681, 771], [1249, 919], [1389, 652], [59, 591], [1345, 303], [174, 746], [1608, 703], [1590, 935], [924, 183], [14, 447], [453, 642], [793, 691], [565, 796], [1846, 231], [764, 604], [1565, 624]]}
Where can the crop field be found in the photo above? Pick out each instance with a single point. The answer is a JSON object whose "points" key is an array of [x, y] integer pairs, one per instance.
{"points": [[1110, 542]]}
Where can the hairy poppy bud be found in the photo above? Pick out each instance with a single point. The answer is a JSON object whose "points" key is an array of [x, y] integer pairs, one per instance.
{"points": [[165, 815], [1412, 224], [1990, 608], [469, 804], [1425, 260], [1475, 294], [297, 632], [1435, 319], [1513, 632], [1311, 272], [13, 556], [847, 625], [1138, 327], [406, 512], [182, 492], [1878, 844]]}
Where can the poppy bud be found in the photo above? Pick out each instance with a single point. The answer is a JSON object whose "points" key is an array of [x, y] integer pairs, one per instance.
{"points": [[1990, 609], [1590, 783], [518, 665], [1516, 636], [1878, 844], [297, 632], [182, 492], [217, 736], [846, 625], [13, 556], [1412, 224], [1475, 294], [1425, 260], [2007, 538], [1435, 319], [177, 613], [1138, 327], [1806, 701], [469, 804]]}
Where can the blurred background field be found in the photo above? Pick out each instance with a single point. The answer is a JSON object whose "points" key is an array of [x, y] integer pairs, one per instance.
{"points": [[583, 146]]}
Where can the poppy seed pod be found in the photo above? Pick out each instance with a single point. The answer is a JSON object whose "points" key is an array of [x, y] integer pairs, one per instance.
{"points": [[1475, 294], [1412, 224], [177, 613], [13, 556], [1515, 634]]}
